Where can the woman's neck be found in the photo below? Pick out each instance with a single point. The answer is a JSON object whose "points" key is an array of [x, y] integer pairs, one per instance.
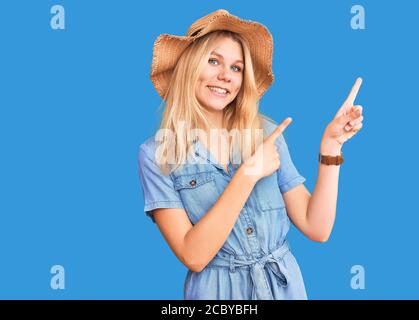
{"points": [[215, 119]]}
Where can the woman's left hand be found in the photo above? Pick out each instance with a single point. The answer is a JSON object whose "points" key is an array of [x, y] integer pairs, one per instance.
{"points": [[346, 123]]}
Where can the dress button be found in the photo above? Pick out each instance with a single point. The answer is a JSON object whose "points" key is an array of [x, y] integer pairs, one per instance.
{"points": [[249, 230], [192, 183]]}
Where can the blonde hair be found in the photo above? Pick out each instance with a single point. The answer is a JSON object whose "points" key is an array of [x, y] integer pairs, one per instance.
{"points": [[183, 107]]}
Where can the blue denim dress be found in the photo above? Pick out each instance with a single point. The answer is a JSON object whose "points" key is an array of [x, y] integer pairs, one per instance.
{"points": [[255, 262]]}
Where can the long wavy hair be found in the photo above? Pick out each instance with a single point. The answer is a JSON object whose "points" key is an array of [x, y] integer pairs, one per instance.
{"points": [[182, 111]]}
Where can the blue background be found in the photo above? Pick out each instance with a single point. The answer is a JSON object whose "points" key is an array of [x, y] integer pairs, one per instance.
{"points": [[75, 104]]}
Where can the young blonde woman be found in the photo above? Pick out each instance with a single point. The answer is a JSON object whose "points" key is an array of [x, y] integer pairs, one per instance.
{"points": [[217, 177]]}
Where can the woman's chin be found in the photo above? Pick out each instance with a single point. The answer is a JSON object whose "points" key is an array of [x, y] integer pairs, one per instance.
{"points": [[216, 107]]}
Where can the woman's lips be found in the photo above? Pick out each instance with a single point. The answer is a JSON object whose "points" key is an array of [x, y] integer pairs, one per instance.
{"points": [[217, 94]]}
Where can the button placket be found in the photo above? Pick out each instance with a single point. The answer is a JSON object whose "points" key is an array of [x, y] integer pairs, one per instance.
{"points": [[250, 232]]}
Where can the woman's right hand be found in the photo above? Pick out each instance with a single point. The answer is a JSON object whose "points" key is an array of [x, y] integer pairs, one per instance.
{"points": [[265, 160]]}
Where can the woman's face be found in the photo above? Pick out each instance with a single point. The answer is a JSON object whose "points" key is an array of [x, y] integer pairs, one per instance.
{"points": [[222, 76]]}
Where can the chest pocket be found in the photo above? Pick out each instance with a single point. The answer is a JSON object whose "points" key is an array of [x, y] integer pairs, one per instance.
{"points": [[198, 192], [268, 194]]}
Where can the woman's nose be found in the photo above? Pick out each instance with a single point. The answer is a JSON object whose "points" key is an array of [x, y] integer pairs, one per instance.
{"points": [[224, 75]]}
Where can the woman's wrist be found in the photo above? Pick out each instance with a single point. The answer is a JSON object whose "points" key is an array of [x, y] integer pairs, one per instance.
{"points": [[330, 147], [248, 171]]}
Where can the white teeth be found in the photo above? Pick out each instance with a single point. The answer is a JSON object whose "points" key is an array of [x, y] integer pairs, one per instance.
{"points": [[219, 90]]}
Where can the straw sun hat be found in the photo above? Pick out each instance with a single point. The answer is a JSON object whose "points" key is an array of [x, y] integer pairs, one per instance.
{"points": [[168, 48]]}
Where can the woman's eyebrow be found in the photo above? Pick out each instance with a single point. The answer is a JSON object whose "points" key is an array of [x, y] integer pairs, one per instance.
{"points": [[217, 54]]}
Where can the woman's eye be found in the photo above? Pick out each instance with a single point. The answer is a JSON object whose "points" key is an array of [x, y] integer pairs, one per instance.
{"points": [[210, 60]]}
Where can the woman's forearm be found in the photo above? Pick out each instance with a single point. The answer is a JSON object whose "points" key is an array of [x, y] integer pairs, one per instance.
{"points": [[321, 211], [208, 235]]}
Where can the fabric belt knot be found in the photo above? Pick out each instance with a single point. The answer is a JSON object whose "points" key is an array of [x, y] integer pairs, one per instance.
{"points": [[272, 261]]}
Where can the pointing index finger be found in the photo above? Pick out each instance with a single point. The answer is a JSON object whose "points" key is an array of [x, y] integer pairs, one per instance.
{"points": [[279, 129], [352, 95]]}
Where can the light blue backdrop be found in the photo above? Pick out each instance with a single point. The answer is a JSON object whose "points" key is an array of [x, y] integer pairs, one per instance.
{"points": [[75, 104]]}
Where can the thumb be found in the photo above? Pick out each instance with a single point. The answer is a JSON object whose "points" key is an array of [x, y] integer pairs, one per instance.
{"points": [[279, 130]]}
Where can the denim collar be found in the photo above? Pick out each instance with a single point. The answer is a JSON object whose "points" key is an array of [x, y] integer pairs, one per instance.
{"points": [[203, 155]]}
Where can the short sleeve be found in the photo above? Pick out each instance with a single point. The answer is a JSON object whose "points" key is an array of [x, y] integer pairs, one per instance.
{"points": [[288, 175], [158, 189]]}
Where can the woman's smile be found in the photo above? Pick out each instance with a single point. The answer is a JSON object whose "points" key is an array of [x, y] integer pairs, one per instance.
{"points": [[218, 92]]}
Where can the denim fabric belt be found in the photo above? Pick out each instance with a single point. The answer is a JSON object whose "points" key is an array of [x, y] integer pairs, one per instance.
{"points": [[261, 289]]}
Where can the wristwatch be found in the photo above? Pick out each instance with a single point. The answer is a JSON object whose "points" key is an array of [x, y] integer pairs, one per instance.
{"points": [[331, 160]]}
